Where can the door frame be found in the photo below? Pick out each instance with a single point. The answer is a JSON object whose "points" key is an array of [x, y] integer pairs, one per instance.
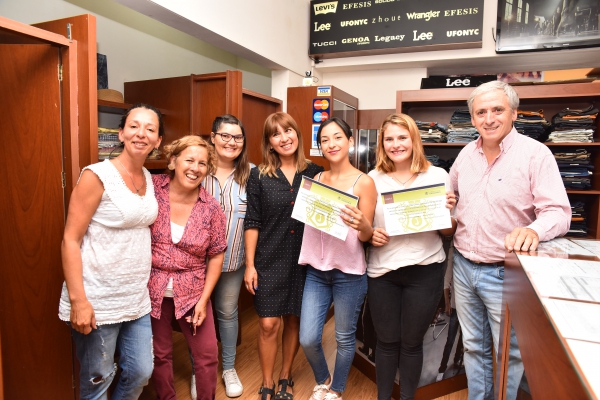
{"points": [[13, 32]]}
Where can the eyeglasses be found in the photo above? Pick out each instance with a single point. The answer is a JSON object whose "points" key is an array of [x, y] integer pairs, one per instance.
{"points": [[226, 137]]}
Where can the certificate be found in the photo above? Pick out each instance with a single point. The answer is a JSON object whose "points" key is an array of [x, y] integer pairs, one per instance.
{"points": [[319, 206], [418, 209]]}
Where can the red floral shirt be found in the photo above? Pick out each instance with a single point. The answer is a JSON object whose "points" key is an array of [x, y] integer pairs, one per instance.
{"points": [[204, 236]]}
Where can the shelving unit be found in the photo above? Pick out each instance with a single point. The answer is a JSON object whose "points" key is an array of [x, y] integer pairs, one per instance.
{"points": [[439, 104], [111, 107]]}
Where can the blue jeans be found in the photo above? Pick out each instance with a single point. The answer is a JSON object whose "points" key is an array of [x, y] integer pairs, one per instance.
{"points": [[347, 292], [478, 290], [227, 293], [96, 355]]}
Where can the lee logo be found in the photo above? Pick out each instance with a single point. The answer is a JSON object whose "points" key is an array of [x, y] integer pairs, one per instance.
{"points": [[422, 36], [325, 8], [322, 27], [458, 82]]}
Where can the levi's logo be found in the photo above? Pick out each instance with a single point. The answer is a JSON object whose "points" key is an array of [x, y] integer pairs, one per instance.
{"points": [[325, 8]]}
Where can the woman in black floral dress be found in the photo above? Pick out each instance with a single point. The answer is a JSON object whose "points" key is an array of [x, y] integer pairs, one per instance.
{"points": [[273, 241]]}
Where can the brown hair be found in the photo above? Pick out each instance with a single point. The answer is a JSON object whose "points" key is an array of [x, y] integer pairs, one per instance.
{"points": [[241, 162], [270, 159], [419, 161], [175, 148]]}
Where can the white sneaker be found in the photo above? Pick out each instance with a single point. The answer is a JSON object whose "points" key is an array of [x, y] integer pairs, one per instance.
{"points": [[440, 376], [233, 386], [319, 392], [332, 396], [193, 393]]}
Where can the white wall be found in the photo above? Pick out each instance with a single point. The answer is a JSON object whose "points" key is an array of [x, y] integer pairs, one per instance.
{"points": [[272, 33], [376, 89], [281, 80], [138, 47]]}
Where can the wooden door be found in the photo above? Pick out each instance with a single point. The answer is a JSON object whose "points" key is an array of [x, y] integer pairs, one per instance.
{"points": [[83, 29], [36, 346], [256, 107]]}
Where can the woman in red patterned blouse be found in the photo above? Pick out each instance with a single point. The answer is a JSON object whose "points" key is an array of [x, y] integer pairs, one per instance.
{"points": [[188, 244]]}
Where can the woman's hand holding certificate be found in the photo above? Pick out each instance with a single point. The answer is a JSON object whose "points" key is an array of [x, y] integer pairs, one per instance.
{"points": [[414, 210], [322, 207]]}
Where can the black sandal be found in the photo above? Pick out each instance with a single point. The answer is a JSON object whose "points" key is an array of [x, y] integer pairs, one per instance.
{"points": [[265, 392], [283, 394]]}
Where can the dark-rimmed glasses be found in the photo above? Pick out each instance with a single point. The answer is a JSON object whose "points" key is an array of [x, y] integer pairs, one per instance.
{"points": [[226, 137]]}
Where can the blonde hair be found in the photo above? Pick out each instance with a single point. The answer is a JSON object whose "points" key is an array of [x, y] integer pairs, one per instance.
{"points": [[419, 162], [270, 159], [177, 146]]}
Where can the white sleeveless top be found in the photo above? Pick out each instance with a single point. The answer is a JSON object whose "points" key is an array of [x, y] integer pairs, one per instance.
{"points": [[116, 250]]}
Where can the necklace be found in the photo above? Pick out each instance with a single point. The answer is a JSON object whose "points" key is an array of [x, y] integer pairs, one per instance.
{"points": [[137, 191], [399, 181]]}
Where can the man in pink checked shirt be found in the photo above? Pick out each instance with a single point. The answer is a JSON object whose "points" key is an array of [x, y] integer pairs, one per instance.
{"points": [[510, 197]]}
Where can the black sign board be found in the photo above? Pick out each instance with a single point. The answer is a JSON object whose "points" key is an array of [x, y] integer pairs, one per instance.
{"points": [[439, 82], [346, 28]]}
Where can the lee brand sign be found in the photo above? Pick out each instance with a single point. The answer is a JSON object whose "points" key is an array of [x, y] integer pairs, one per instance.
{"points": [[351, 28]]}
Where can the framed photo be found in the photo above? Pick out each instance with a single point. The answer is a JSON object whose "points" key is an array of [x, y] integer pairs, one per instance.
{"points": [[533, 25]]}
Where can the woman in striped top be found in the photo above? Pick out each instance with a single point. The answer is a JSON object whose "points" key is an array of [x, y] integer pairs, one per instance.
{"points": [[228, 186]]}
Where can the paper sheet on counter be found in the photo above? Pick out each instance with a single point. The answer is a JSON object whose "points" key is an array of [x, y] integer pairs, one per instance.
{"points": [[590, 245], [574, 320], [560, 246], [563, 278], [560, 266], [587, 356]]}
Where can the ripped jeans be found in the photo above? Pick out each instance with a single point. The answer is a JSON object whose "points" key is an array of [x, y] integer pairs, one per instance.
{"points": [[96, 355]]}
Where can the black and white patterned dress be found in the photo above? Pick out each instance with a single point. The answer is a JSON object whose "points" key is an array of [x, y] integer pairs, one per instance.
{"points": [[280, 278]]}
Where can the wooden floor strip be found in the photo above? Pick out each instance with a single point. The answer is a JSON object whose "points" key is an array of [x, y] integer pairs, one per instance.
{"points": [[359, 387]]}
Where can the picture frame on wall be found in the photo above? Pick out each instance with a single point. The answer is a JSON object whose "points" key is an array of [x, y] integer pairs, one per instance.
{"points": [[537, 25]]}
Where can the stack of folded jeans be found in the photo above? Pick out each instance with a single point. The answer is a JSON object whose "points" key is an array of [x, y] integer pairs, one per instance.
{"points": [[532, 124], [432, 132], [460, 129], [578, 220], [574, 125], [575, 168], [438, 162]]}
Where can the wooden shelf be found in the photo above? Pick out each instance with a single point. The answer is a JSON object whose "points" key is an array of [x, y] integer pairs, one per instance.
{"points": [[156, 164], [445, 144], [572, 144], [561, 92], [112, 107], [439, 105], [549, 144], [590, 192]]}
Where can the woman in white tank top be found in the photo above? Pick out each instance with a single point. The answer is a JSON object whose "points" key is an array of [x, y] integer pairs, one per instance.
{"points": [[107, 259]]}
